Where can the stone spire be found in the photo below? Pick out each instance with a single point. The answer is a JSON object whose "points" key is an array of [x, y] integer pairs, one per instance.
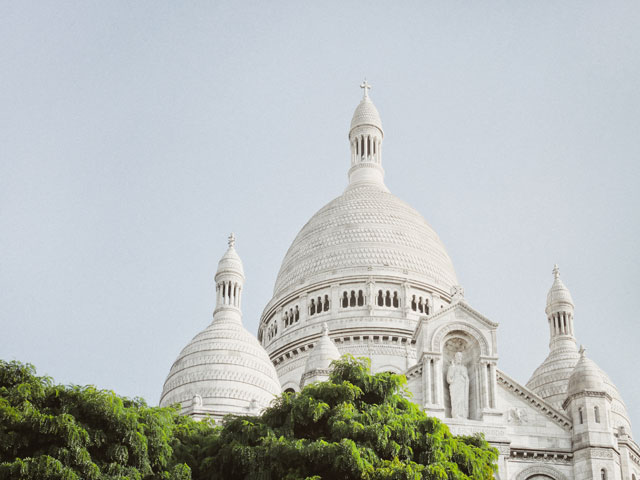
{"points": [[559, 312], [365, 138], [229, 280]]}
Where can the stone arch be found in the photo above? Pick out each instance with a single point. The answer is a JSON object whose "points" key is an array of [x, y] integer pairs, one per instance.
{"points": [[287, 387], [436, 340], [541, 471]]}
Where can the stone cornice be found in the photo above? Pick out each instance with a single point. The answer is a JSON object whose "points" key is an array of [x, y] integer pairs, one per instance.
{"points": [[585, 393]]}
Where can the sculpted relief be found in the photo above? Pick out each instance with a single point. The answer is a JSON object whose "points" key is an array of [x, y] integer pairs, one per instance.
{"points": [[458, 380]]}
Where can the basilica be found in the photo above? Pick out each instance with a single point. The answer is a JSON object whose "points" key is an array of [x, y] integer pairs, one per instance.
{"points": [[367, 275]]}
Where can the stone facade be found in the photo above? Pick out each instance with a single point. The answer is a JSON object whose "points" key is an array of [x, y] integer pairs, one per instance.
{"points": [[368, 276]]}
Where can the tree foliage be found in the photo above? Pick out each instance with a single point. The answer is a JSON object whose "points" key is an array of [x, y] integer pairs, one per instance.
{"points": [[50, 431], [355, 426]]}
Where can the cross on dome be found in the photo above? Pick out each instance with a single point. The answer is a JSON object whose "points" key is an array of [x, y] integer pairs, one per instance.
{"points": [[232, 240], [365, 86]]}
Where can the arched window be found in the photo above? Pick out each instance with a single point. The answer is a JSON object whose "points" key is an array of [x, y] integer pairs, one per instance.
{"points": [[352, 300], [387, 299], [326, 303], [289, 390], [380, 299], [360, 298], [633, 476], [603, 474], [345, 300], [581, 415], [414, 305], [396, 300], [312, 307], [596, 412], [297, 314]]}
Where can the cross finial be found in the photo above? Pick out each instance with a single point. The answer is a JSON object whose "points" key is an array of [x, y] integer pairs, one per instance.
{"points": [[366, 87], [232, 240], [582, 350], [556, 271]]}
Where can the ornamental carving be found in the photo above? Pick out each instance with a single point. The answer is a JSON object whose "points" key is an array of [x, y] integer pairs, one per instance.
{"points": [[517, 416]]}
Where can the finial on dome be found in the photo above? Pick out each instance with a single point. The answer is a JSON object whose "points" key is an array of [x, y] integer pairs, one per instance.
{"points": [[232, 240], [556, 271], [582, 351], [325, 328], [365, 86]]}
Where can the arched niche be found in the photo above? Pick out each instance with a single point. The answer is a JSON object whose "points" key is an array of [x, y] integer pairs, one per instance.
{"points": [[469, 349], [442, 333]]}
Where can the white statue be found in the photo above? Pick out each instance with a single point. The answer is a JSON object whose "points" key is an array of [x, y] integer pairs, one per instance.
{"points": [[458, 380]]}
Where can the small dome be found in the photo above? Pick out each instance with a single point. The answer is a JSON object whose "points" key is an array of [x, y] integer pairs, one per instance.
{"points": [[586, 377], [230, 261], [559, 295], [226, 367], [366, 113], [324, 352]]}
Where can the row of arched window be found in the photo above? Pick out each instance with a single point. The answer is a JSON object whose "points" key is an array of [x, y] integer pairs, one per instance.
{"points": [[561, 323], [272, 330], [596, 414], [348, 299], [418, 304], [228, 293], [291, 316], [319, 305], [366, 147], [352, 299], [388, 298]]}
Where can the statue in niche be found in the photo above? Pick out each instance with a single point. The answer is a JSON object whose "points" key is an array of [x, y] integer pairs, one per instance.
{"points": [[458, 380]]}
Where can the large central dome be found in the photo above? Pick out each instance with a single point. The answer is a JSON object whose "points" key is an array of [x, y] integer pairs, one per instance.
{"points": [[366, 227]]}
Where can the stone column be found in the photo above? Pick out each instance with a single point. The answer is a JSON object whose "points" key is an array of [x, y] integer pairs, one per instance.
{"points": [[426, 380], [493, 384], [302, 308], [485, 384], [334, 295], [371, 295], [438, 393]]}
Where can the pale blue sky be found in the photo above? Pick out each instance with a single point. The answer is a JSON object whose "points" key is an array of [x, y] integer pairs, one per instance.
{"points": [[134, 136]]}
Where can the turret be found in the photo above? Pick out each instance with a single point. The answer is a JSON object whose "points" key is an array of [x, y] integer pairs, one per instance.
{"points": [[365, 137], [317, 367], [589, 406], [560, 314], [229, 281], [549, 381]]}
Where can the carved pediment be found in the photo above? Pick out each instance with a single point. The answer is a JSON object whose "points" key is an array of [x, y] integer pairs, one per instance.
{"points": [[518, 415]]}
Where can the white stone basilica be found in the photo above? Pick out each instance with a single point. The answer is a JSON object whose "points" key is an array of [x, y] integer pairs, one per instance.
{"points": [[368, 276]]}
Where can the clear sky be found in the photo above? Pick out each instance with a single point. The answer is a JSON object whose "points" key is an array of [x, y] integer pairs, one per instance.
{"points": [[134, 136]]}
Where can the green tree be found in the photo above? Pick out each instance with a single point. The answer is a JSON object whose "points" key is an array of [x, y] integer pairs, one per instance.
{"points": [[50, 431], [355, 426]]}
